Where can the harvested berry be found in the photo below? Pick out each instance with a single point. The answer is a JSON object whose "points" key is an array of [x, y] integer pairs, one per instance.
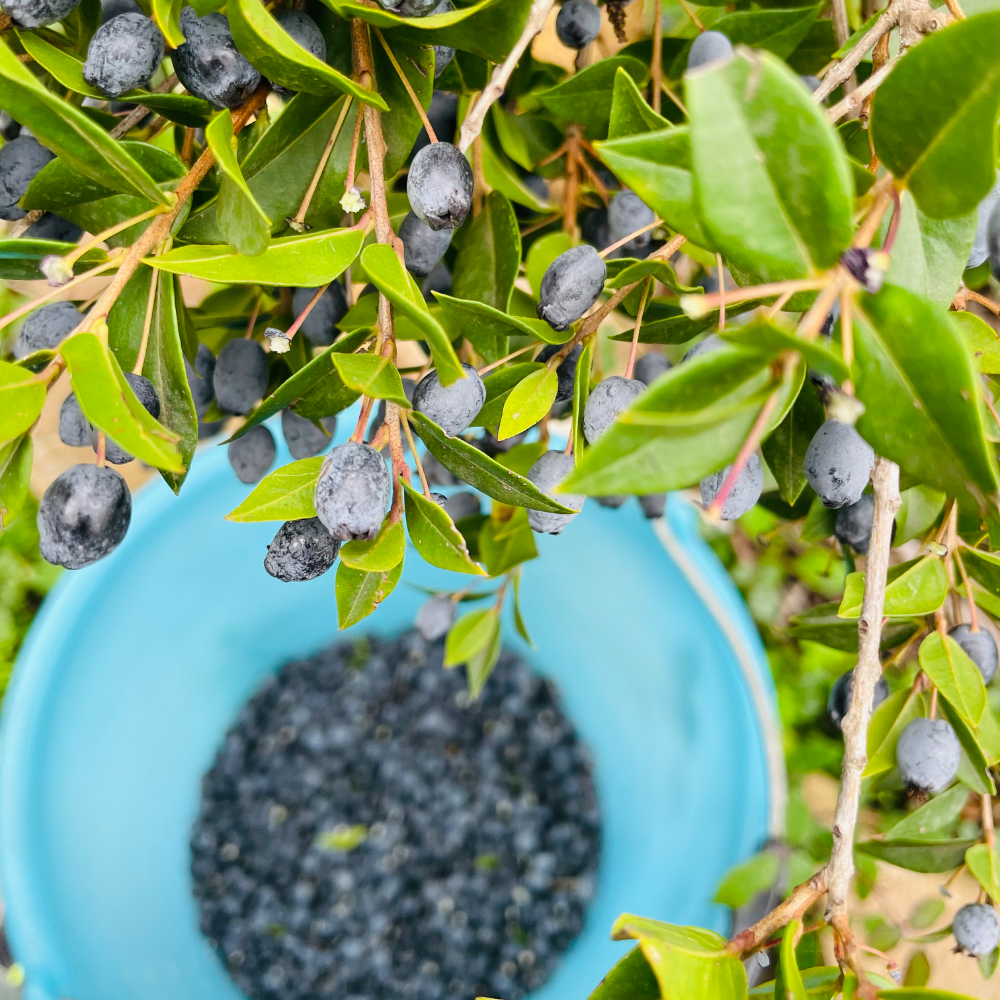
{"points": [[240, 376], [303, 437], [20, 161], [976, 929], [305, 32], [368, 831], [650, 367], [35, 13], [74, 427], [928, 754], [146, 393], [423, 247], [838, 464], [436, 616]]}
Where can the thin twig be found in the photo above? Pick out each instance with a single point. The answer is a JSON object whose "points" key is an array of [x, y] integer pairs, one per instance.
{"points": [[304, 315], [722, 288], [987, 813], [973, 614], [147, 325], [506, 357], [754, 938], [428, 128], [300, 215], [638, 324], [692, 15], [842, 71], [656, 66], [680, 104], [136, 115], [983, 301], [631, 236], [854, 100], [413, 451], [847, 336], [473, 124]]}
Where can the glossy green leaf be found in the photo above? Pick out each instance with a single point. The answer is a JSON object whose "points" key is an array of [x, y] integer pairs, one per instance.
{"points": [[917, 587], [503, 178], [630, 114], [489, 255], [541, 254], [586, 97], [687, 961], [982, 340], [107, 401], [167, 14], [386, 272], [955, 676], [887, 724], [918, 511], [581, 392], [163, 365], [821, 983], [630, 978], [19, 258], [360, 593], [929, 255], [742, 883], [312, 259], [21, 400], [778, 31], [401, 124], [284, 495], [528, 402], [499, 385], [973, 768], [657, 167], [690, 424], [272, 51], [279, 167], [15, 478], [773, 186], [932, 818], [480, 665], [784, 451], [481, 472], [70, 134], [469, 635], [821, 623], [247, 229], [506, 542], [372, 375], [625, 271], [664, 322], [769, 336], [519, 624], [922, 395], [935, 117], [920, 993], [383, 553], [918, 856], [788, 981], [435, 536], [984, 865]]}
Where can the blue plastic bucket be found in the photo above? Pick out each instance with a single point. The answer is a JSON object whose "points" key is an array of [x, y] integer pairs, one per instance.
{"points": [[135, 668]]}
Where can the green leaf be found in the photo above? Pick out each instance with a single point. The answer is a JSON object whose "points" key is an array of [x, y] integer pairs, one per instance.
{"points": [[480, 665], [785, 450], [381, 554], [624, 272], [164, 367], [167, 14], [935, 117], [542, 253], [918, 856], [690, 424], [312, 259], [586, 97], [581, 392], [777, 31], [773, 186], [888, 722], [107, 400], [919, 509], [984, 567], [630, 978], [489, 255], [435, 536], [922, 395], [284, 495], [401, 124], [788, 981], [666, 323], [982, 340], [821, 983], [487, 328], [630, 114], [929, 255], [272, 51], [360, 593], [657, 167], [470, 634], [21, 400], [687, 961], [15, 478], [821, 623], [920, 993], [372, 375], [499, 385], [385, 271], [503, 178], [932, 818], [504, 544], [917, 587], [984, 865], [973, 769], [769, 336], [247, 228], [70, 134], [482, 473], [955, 676], [528, 402], [522, 629], [280, 165], [742, 883], [19, 258]]}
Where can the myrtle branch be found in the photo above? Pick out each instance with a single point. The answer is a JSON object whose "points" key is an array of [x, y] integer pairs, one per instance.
{"points": [[474, 120]]}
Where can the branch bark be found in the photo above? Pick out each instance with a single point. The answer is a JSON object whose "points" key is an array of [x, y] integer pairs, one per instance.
{"points": [[853, 101], [473, 123], [842, 71]]}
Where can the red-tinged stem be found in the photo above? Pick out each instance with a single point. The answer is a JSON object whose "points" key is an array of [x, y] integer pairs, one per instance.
{"points": [[304, 315]]}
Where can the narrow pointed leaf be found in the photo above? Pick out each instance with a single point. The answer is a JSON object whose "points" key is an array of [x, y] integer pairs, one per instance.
{"points": [[887, 724], [379, 555], [788, 983], [528, 402], [630, 114], [917, 587], [955, 676], [21, 400], [435, 536], [15, 478], [984, 865], [284, 495], [489, 255], [372, 375], [19, 258], [360, 593], [470, 634]]}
